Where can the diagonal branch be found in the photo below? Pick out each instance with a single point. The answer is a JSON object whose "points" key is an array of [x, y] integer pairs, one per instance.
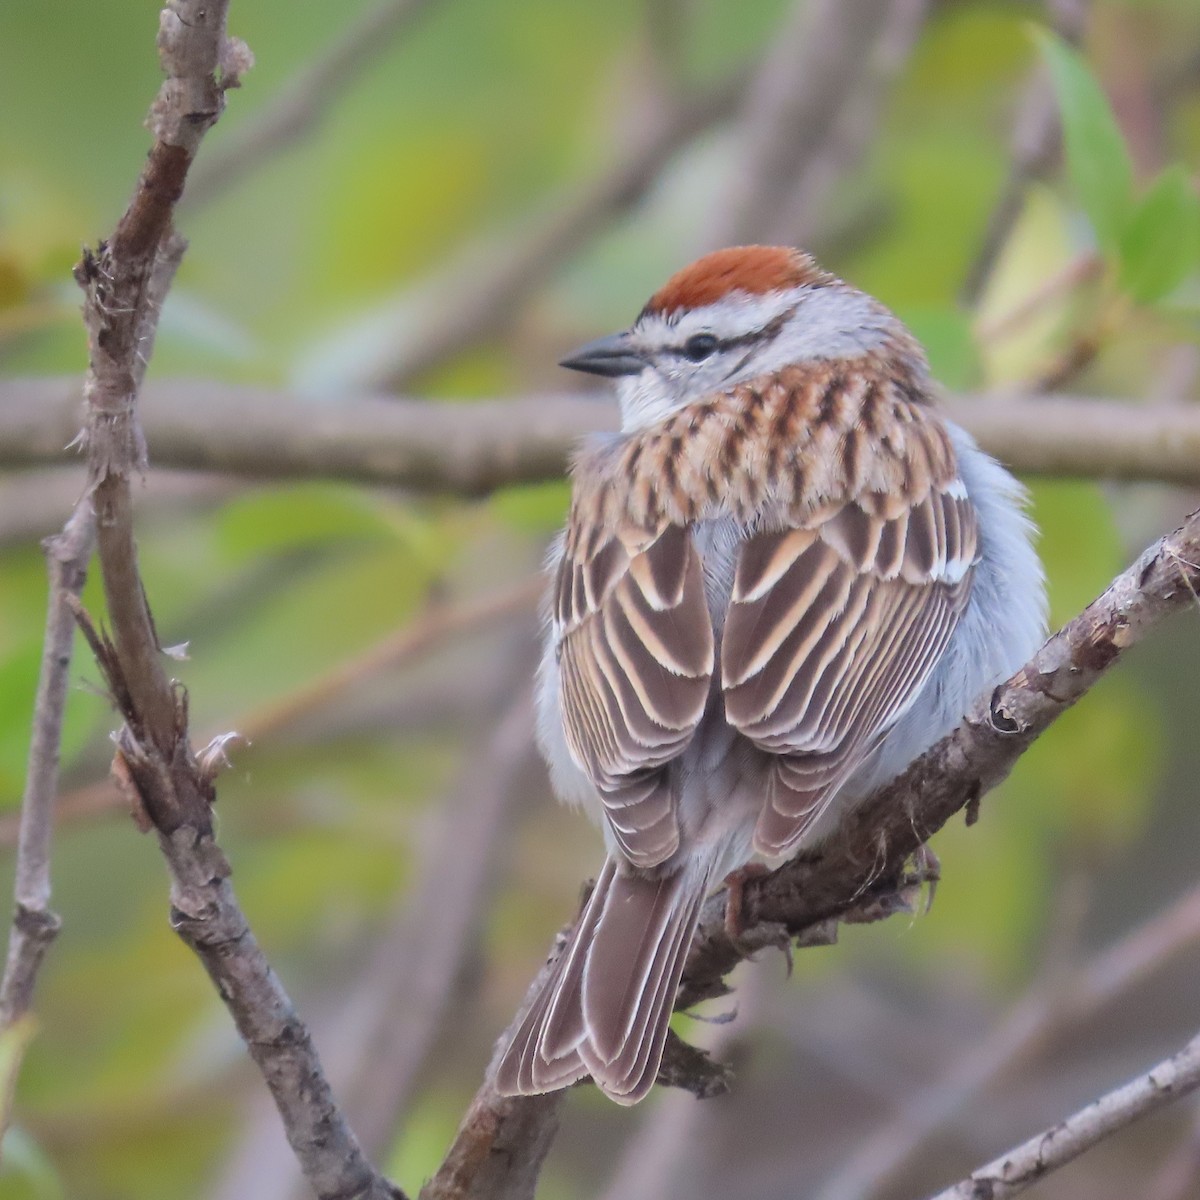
{"points": [[470, 301], [1043, 1014], [1032, 1161], [811, 107], [124, 283], [865, 874]]}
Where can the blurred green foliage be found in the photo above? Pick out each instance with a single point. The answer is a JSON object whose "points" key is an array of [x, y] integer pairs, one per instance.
{"points": [[466, 130]]}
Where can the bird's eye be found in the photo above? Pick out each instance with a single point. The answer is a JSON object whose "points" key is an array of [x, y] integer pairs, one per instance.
{"points": [[699, 346]]}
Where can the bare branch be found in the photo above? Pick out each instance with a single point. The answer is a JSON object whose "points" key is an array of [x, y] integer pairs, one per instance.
{"points": [[1041, 1015], [304, 99], [35, 925], [388, 1020], [472, 448], [1027, 1164], [122, 317], [124, 284]]}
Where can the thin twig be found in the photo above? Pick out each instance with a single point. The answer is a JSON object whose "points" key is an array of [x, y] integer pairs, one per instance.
{"points": [[472, 448], [399, 647], [1032, 1161], [35, 924], [124, 283], [304, 99], [1080, 270], [396, 649], [1041, 1015]]}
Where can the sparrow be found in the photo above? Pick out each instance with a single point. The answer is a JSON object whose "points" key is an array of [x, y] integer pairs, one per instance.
{"points": [[782, 580]]}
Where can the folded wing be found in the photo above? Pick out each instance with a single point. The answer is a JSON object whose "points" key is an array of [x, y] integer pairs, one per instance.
{"points": [[636, 659], [832, 629]]}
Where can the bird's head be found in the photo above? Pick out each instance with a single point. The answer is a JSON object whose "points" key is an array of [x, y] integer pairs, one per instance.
{"points": [[732, 316]]}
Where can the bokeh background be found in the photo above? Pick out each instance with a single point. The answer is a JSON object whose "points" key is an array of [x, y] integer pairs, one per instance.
{"points": [[393, 839]]}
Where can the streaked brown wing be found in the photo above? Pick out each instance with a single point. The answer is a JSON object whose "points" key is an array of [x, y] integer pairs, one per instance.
{"points": [[831, 631], [635, 663]]}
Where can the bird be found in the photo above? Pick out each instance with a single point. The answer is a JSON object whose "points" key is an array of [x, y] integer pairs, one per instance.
{"points": [[786, 576]]}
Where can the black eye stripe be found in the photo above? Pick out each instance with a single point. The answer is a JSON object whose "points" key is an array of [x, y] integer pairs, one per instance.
{"points": [[703, 345]]}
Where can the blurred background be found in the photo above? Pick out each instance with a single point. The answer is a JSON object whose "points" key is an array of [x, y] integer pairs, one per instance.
{"points": [[437, 199]]}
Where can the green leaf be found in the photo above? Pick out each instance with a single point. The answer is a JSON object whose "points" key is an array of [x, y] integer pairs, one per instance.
{"points": [[1097, 157], [25, 1171], [1162, 241]]}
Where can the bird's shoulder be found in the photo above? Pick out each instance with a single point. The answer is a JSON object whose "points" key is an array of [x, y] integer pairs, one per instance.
{"points": [[796, 444]]}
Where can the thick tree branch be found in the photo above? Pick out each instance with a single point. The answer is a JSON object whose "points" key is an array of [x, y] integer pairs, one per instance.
{"points": [[124, 283], [1032, 1161], [472, 448]]}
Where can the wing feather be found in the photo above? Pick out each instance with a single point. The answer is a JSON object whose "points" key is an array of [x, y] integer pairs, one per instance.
{"points": [[636, 658], [831, 631]]}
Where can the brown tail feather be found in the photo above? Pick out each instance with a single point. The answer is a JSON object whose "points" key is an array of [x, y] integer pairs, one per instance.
{"points": [[605, 1009]]}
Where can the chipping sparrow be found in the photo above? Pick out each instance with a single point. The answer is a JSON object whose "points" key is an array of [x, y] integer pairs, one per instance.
{"points": [[783, 579]]}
